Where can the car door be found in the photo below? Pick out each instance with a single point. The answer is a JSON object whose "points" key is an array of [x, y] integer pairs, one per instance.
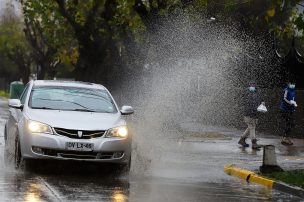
{"points": [[15, 116]]}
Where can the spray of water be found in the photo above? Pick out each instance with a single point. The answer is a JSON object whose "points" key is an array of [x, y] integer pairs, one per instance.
{"points": [[193, 71]]}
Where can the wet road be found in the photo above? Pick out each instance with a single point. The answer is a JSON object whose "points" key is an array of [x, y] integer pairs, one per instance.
{"points": [[175, 170]]}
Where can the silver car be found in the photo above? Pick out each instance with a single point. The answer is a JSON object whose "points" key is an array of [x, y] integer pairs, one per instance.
{"points": [[67, 120]]}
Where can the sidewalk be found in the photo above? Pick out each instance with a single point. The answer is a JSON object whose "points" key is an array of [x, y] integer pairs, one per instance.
{"points": [[288, 157], [245, 162]]}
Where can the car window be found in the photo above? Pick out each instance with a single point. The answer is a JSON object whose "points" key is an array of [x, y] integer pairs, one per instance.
{"points": [[24, 94], [72, 98]]}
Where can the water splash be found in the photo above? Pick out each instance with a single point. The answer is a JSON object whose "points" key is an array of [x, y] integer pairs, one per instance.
{"points": [[194, 71]]}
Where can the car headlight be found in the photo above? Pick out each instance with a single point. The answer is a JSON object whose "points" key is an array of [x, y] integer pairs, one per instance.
{"points": [[37, 127], [121, 131]]}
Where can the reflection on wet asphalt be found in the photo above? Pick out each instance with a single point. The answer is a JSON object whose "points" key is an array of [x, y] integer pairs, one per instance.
{"points": [[183, 172], [19, 187], [33, 187]]}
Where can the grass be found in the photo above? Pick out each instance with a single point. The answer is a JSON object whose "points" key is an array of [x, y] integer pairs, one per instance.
{"points": [[294, 177], [4, 94]]}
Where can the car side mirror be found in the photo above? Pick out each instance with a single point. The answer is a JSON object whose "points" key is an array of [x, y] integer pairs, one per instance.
{"points": [[15, 103], [126, 110]]}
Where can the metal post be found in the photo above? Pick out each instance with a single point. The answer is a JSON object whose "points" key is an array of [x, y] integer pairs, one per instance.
{"points": [[269, 160]]}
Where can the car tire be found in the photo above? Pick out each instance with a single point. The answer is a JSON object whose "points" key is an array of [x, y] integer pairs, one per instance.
{"points": [[5, 135], [17, 155], [129, 164], [6, 153], [126, 167]]}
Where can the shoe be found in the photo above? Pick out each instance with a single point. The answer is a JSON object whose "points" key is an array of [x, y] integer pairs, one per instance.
{"points": [[255, 145], [242, 142], [290, 142], [286, 141]]}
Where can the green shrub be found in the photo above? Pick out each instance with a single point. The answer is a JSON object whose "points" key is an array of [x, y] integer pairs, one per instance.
{"points": [[294, 177], [4, 94]]}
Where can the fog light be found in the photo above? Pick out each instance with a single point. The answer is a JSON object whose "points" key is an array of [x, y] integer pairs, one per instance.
{"points": [[37, 150], [117, 154]]}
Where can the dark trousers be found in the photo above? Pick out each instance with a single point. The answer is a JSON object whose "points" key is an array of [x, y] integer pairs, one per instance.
{"points": [[288, 118]]}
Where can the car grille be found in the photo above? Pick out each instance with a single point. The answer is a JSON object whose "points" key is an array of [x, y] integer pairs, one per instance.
{"points": [[76, 154], [86, 134]]}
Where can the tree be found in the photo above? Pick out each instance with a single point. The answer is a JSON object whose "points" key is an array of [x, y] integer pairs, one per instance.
{"points": [[13, 44], [97, 35], [91, 24], [99, 27], [49, 36]]}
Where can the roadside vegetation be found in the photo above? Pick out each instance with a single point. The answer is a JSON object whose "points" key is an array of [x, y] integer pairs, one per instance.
{"points": [[96, 40], [4, 94], [295, 177]]}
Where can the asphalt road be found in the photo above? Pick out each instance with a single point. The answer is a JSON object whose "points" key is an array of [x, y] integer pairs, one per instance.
{"points": [[171, 170]]}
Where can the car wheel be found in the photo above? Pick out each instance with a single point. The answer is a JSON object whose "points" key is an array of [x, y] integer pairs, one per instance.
{"points": [[17, 156], [126, 167], [6, 154], [129, 164], [5, 135]]}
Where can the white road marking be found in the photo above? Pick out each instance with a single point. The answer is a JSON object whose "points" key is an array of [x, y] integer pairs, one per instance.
{"points": [[49, 187]]}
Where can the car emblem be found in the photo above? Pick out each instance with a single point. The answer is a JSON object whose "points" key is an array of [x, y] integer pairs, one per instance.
{"points": [[79, 134]]}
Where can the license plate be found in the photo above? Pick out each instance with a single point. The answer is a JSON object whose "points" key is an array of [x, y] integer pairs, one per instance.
{"points": [[79, 146]]}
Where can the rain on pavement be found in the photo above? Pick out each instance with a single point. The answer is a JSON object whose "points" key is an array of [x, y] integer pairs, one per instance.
{"points": [[186, 171]]}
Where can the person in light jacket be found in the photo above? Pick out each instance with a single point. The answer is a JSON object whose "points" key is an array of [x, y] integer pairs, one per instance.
{"points": [[252, 102]]}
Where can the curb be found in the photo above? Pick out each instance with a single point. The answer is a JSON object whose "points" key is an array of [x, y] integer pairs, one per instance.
{"points": [[252, 177]]}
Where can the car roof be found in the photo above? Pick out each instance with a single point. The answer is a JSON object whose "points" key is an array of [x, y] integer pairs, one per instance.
{"points": [[63, 83]]}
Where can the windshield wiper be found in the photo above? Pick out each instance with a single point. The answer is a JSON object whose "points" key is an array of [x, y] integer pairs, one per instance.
{"points": [[83, 110], [88, 110], [75, 103], [44, 108]]}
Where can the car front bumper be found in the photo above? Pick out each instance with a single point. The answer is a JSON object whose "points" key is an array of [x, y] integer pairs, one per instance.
{"points": [[46, 146]]}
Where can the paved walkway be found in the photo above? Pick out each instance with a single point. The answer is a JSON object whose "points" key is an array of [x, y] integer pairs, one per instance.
{"points": [[288, 157]]}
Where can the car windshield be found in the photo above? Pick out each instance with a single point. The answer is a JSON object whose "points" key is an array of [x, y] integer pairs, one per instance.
{"points": [[71, 99]]}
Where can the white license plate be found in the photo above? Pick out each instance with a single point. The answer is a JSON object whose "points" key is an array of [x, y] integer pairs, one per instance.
{"points": [[79, 146]]}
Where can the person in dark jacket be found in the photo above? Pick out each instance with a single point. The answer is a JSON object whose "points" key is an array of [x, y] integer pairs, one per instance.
{"points": [[288, 107], [251, 103]]}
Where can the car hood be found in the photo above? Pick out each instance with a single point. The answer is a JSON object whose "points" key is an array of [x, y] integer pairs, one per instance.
{"points": [[76, 120]]}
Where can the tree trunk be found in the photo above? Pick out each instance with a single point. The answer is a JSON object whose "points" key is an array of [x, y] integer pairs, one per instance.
{"points": [[41, 73], [24, 73], [90, 62]]}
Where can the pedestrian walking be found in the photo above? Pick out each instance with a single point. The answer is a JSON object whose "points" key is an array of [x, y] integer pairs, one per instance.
{"points": [[288, 107], [252, 101]]}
